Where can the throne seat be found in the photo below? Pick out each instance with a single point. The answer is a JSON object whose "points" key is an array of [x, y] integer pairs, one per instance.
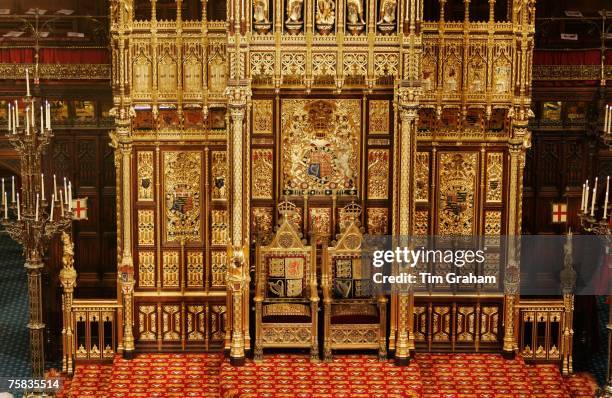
{"points": [[286, 313], [345, 314]]}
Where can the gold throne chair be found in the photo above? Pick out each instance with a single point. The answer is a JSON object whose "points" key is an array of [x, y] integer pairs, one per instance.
{"points": [[355, 316], [286, 298]]}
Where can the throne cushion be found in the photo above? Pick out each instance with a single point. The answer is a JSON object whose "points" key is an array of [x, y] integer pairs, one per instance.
{"points": [[286, 313], [354, 313]]}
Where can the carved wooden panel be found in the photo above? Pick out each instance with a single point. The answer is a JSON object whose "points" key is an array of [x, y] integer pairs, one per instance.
{"points": [[219, 175], [262, 175], [146, 269], [146, 227], [378, 174], [457, 176], [262, 116], [421, 173], [182, 195], [378, 117], [219, 227], [495, 175], [195, 269], [170, 269], [218, 268], [377, 220], [145, 175], [171, 322]]}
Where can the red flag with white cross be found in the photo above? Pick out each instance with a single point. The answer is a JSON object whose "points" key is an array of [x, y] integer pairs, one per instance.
{"points": [[559, 213], [79, 209]]}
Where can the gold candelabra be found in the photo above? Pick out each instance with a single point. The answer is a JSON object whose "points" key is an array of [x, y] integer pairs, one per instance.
{"points": [[30, 216]]}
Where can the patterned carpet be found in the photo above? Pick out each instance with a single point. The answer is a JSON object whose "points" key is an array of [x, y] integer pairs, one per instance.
{"points": [[14, 340], [349, 376]]}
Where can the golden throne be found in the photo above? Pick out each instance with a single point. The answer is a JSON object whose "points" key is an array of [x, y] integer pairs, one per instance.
{"points": [[286, 299], [355, 316]]}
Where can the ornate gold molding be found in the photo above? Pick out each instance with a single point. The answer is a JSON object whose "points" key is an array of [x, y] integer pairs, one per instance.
{"points": [[570, 72], [58, 71]]}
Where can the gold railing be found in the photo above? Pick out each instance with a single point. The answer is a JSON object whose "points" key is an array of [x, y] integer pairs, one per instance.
{"points": [[94, 324], [545, 331]]}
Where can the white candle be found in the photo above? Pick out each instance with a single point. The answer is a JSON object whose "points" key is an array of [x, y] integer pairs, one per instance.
{"points": [[18, 209], [582, 198], [52, 207], [42, 186], [10, 116], [17, 113], [69, 196], [54, 186], [36, 215], [5, 205], [13, 189], [27, 82], [586, 198], [65, 189], [593, 198], [48, 115], [33, 116], [606, 118], [42, 119], [27, 121], [62, 202], [605, 215], [3, 187]]}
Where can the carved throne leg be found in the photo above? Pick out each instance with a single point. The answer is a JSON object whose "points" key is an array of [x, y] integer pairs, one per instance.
{"points": [[314, 349], [382, 348], [327, 351], [258, 352]]}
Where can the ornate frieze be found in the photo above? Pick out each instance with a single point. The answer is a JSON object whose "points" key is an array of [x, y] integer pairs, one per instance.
{"points": [[421, 175], [262, 116]]}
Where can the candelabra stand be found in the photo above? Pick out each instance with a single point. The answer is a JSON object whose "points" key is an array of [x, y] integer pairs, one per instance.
{"points": [[31, 220], [602, 228]]}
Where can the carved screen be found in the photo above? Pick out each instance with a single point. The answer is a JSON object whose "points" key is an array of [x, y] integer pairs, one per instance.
{"points": [[320, 146]]}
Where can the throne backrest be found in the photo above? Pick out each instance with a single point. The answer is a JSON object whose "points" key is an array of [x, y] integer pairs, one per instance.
{"points": [[347, 276], [284, 266]]}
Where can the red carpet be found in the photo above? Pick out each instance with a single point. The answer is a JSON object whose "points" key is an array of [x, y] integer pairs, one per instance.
{"points": [[348, 376]]}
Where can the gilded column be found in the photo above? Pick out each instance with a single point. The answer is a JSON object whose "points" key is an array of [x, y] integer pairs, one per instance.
{"points": [[238, 96], [67, 276], [406, 149]]}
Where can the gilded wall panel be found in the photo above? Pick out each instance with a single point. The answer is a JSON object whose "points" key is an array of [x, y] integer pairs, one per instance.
{"points": [[493, 220], [146, 227], [146, 269], [378, 117], [192, 68], [263, 116], [502, 71], [421, 175], [171, 322], [378, 173], [377, 220], [320, 221], [262, 218], [196, 322], [458, 171], [167, 69], [421, 222], [218, 322], [195, 269], [182, 182], [218, 268], [495, 174], [320, 146], [142, 70], [147, 323], [217, 70], [452, 68], [145, 175], [170, 269], [262, 176], [219, 175], [219, 227]]}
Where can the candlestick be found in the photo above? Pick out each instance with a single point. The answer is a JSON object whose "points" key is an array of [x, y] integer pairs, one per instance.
{"points": [[42, 119], [9, 118], [54, 186], [27, 82], [48, 115], [5, 205], [2, 187], [606, 118], [65, 190], [62, 202], [18, 208], [17, 113], [582, 198], [27, 121], [42, 186], [13, 189], [36, 214], [52, 207], [586, 199], [593, 198], [605, 214]]}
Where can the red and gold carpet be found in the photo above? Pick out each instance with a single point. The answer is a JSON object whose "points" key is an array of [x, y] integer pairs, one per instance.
{"points": [[348, 376]]}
